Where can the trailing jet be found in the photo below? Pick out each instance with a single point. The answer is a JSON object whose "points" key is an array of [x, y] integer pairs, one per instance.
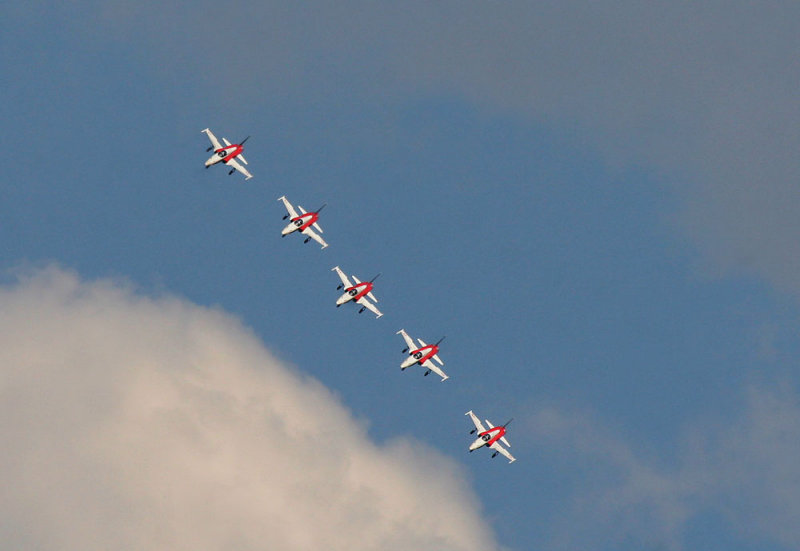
{"points": [[302, 222], [490, 438], [422, 355], [227, 154], [360, 292]]}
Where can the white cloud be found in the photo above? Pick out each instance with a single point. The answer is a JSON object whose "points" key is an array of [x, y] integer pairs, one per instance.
{"points": [[131, 422]]}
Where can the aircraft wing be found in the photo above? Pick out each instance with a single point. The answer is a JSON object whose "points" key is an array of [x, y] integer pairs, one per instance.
{"points": [[289, 207], [213, 138], [233, 164], [342, 276], [433, 367], [315, 236], [409, 342], [477, 422], [364, 301], [498, 448]]}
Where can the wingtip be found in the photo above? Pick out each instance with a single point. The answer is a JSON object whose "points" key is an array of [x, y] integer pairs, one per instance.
{"points": [[204, 130], [400, 332], [467, 413], [281, 198], [334, 268]]}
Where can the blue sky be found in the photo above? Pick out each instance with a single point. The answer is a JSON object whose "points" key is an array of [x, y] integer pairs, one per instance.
{"points": [[576, 242]]}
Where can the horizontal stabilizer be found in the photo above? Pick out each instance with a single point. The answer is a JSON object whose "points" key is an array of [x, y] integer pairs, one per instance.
{"points": [[504, 441], [422, 343], [356, 280], [370, 295], [226, 141], [301, 209], [241, 158], [316, 227], [438, 359]]}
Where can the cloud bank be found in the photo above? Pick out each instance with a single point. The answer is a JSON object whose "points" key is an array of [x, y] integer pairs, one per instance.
{"points": [[132, 422]]}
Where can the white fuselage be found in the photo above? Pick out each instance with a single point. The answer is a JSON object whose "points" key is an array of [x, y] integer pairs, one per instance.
{"points": [[347, 296], [480, 442], [419, 356], [293, 226], [415, 358], [222, 155]]}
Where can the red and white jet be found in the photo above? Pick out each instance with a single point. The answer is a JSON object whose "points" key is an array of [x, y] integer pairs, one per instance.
{"points": [[490, 438], [422, 355], [302, 222], [360, 292], [227, 154]]}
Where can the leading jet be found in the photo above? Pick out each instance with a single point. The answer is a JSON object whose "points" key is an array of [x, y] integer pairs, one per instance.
{"points": [[491, 437], [227, 154]]}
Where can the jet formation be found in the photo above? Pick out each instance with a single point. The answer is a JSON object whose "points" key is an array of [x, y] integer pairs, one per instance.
{"points": [[358, 292]]}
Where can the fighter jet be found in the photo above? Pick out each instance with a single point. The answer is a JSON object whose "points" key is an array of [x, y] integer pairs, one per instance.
{"points": [[490, 438], [422, 355], [227, 154], [360, 292], [302, 222]]}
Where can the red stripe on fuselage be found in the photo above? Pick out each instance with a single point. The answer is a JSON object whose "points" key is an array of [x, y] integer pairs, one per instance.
{"points": [[366, 288], [500, 433], [310, 218], [233, 150], [432, 350]]}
